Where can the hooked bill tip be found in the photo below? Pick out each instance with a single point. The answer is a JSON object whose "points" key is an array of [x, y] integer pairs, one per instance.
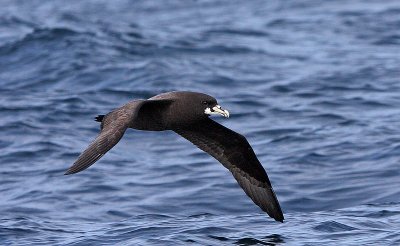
{"points": [[217, 110], [226, 113]]}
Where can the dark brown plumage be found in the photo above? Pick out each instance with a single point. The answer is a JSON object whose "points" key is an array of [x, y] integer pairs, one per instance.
{"points": [[187, 113]]}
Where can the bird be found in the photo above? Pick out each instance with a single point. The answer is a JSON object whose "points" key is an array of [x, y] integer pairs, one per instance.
{"points": [[188, 114]]}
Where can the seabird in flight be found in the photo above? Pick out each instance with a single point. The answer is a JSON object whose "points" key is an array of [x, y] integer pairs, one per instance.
{"points": [[187, 114]]}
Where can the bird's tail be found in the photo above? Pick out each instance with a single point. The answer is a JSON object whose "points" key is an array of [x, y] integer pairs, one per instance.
{"points": [[99, 118]]}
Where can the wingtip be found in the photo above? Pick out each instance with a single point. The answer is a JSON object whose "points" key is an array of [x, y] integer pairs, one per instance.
{"points": [[279, 217], [68, 172], [276, 215]]}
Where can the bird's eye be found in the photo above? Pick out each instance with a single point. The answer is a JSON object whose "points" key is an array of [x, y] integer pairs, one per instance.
{"points": [[205, 102]]}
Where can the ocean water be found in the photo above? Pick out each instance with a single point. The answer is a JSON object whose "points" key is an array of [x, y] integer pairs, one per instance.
{"points": [[313, 85]]}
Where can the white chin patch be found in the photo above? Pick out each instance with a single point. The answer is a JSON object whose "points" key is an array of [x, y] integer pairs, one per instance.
{"points": [[217, 110]]}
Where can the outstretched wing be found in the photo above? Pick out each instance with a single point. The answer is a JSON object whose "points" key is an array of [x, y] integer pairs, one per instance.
{"points": [[113, 128], [138, 114], [236, 154]]}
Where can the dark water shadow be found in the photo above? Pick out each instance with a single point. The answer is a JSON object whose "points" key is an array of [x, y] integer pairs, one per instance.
{"points": [[273, 239]]}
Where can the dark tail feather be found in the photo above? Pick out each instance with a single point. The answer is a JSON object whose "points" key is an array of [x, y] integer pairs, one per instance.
{"points": [[99, 118]]}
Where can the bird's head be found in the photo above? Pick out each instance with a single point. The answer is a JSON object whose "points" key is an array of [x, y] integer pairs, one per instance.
{"points": [[203, 105], [195, 106]]}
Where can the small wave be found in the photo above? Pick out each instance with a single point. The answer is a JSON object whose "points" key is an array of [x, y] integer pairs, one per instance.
{"points": [[333, 226], [241, 32], [39, 35]]}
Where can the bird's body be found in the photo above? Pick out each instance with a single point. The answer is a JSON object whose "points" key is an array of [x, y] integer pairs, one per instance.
{"points": [[187, 113]]}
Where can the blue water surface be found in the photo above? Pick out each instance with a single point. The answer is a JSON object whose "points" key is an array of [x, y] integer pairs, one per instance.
{"points": [[313, 85]]}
